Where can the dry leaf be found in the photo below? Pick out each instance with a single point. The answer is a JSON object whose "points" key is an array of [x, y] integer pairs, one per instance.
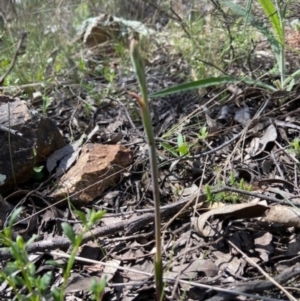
{"points": [[226, 261], [270, 135], [284, 215], [212, 123], [263, 244], [203, 224], [191, 269], [109, 271], [242, 115]]}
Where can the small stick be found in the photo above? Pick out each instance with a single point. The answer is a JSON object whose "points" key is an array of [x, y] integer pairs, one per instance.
{"points": [[11, 131], [22, 37]]}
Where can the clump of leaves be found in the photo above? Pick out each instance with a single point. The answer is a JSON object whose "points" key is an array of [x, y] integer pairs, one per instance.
{"points": [[226, 196]]}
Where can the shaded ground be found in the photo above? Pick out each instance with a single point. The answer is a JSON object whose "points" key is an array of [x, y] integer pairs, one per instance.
{"points": [[229, 197]]}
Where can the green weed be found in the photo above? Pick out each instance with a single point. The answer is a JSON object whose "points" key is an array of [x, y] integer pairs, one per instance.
{"points": [[49, 28], [201, 45], [203, 134], [20, 272], [182, 146], [227, 197], [296, 146]]}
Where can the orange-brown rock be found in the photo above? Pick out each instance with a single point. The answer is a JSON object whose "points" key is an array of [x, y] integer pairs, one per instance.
{"points": [[98, 168]]}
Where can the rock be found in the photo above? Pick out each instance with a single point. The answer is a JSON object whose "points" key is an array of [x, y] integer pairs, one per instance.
{"points": [[98, 168], [5, 209], [28, 140]]}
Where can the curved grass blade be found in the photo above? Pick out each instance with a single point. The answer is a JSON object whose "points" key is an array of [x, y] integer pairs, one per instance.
{"points": [[209, 82], [272, 14]]}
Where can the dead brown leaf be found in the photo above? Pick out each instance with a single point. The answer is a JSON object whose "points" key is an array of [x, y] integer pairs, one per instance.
{"points": [[283, 215], [237, 211]]}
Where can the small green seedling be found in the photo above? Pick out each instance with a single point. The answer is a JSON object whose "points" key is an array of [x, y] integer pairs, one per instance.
{"points": [[181, 149], [21, 271], [203, 134], [209, 196], [171, 149], [296, 146], [232, 179], [182, 146], [97, 289], [46, 103], [38, 172]]}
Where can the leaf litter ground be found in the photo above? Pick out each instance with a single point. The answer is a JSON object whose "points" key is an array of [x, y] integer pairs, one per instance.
{"points": [[229, 199]]}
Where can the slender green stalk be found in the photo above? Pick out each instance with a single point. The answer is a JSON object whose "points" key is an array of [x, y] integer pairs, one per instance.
{"points": [[281, 62], [138, 65]]}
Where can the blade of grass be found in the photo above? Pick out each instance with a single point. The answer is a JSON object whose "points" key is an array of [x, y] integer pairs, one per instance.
{"points": [[208, 82], [272, 14]]}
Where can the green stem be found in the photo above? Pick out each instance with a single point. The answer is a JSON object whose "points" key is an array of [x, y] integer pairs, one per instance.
{"points": [[137, 62], [281, 66], [154, 175]]}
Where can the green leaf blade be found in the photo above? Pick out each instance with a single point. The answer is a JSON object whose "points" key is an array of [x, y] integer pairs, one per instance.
{"points": [[210, 82], [69, 232], [272, 14]]}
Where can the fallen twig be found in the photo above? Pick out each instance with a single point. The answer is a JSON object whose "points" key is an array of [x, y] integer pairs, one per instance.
{"points": [[261, 196], [11, 131]]}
